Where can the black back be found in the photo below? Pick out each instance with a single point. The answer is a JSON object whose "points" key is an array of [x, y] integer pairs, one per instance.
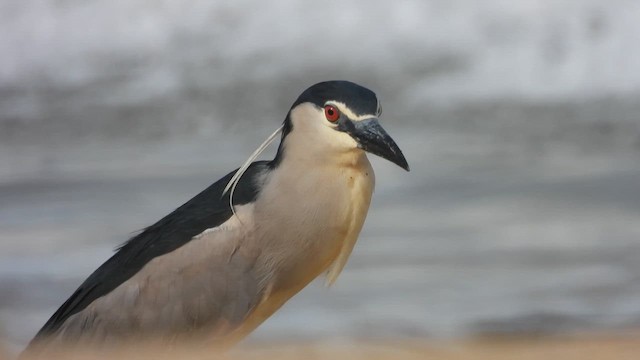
{"points": [[206, 210]]}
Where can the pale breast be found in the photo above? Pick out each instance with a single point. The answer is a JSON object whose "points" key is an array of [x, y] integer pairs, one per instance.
{"points": [[311, 217], [306, 222]]}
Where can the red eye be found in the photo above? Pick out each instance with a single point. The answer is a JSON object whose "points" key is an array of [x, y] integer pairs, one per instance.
{"points": [[331, 113]]}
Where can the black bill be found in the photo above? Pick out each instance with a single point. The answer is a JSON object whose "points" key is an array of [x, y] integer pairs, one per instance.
{"points": [[372, 138]]}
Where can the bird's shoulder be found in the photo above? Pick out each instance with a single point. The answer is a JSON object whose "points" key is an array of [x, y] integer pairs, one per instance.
{"points": [[207, 210]]}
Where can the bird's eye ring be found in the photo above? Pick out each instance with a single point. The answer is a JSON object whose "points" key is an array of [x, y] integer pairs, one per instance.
{"points": [[331, 113]]}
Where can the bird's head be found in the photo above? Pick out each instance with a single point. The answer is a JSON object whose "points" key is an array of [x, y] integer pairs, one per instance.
{"points": [[339, 116]]}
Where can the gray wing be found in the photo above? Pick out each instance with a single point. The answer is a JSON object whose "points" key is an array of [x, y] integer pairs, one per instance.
{"points": [[208, 209], [205, 288]]}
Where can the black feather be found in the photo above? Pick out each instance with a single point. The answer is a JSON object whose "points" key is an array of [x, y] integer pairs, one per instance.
{"points": [[206, 210], [360, 100]]}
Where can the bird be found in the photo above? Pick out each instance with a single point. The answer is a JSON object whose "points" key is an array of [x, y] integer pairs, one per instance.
{"points": [[219, 265]]}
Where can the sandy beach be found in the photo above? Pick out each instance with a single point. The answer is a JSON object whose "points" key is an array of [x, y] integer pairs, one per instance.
{"points": [[618, 346]]}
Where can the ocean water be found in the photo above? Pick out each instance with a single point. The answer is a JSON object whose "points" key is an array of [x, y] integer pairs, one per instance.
{"points": [[521, 213]]}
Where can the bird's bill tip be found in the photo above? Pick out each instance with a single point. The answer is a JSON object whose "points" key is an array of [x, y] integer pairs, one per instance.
{"points": [[372, 137]]}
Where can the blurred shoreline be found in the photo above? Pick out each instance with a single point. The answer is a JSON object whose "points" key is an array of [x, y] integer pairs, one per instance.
{"points": [[519, 120], [618, 346]]}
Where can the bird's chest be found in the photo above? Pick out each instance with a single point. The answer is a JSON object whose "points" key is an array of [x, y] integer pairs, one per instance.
{"points": [[310, 214]]}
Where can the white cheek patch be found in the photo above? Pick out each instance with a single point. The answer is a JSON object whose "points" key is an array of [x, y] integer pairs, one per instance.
{"points": [[311, 130], [343, 139], [307, 117]]}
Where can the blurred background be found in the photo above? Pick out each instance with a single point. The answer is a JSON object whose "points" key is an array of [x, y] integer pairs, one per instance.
{"points": [[520, 120]]}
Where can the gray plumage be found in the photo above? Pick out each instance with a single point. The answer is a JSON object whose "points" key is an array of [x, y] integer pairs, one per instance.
{"points": [[296, 217]]}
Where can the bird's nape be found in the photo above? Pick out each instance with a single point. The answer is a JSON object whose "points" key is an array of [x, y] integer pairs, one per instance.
{"points": [[231, 185]]}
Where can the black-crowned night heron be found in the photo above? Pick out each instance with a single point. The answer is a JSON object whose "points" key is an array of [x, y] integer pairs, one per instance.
{"points": [[219, 265]]}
